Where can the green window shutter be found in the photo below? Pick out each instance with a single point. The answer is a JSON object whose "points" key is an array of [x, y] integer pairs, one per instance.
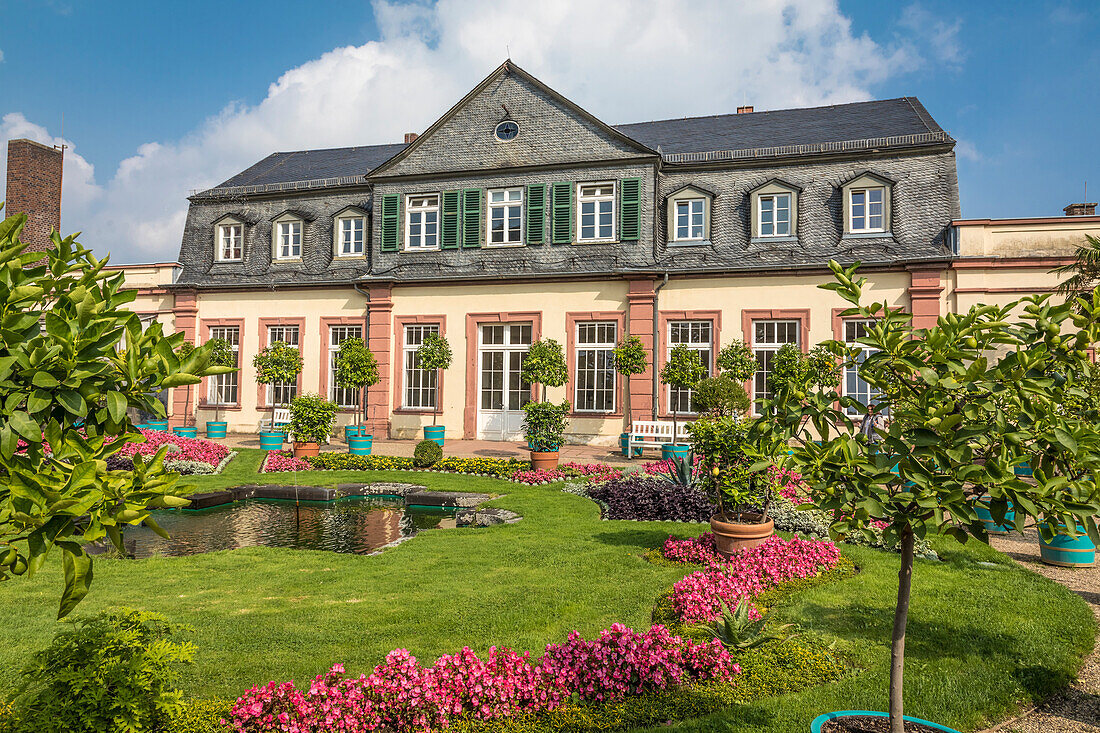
{"points": [[561, 221], [471, 217], [630, 209], [536, 213], [449, 225], [391, 209]]}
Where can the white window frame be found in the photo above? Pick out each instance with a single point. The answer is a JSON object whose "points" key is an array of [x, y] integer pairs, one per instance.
{"points": [[707, 349], [866, 191], [422, 210], [492, 207], [690, 213], [351, 219], [602, 365], [287, 238], [852, 371], [281, 332], [416, 381], [760, 347], [219, 245], [774, 199], [335, 393], [596, 200], [218, 384]]}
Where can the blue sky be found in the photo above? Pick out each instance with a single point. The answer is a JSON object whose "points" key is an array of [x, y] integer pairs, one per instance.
{"points": [[162, 97]]}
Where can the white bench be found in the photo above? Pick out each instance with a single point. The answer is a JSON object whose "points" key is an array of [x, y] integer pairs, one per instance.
{"points": [[281, 420], [653, 434]]}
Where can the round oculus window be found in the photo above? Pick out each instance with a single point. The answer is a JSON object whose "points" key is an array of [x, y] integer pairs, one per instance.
{"points": [[507, 130]]}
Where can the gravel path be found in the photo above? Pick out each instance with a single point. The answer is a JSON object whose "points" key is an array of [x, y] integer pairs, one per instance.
{"points": [[1077, 710]]}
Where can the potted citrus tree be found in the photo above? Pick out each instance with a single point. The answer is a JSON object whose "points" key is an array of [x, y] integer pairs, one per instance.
{"points": [[311, 419], [630, 359], [544, 427], [187, 429], [278, 363], [683, 370], [969, 400], [356, 368], [434, 354], [221, 355]]}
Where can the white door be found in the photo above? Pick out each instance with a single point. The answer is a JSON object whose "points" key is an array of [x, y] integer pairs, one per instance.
{"points": [[501, 348]]}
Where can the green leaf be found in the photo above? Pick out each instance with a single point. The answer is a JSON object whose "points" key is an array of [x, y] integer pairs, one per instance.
{"points": [[78, 579], [72, 402], [1065, 439], [23, 424], [116, 406], [44, 380]]}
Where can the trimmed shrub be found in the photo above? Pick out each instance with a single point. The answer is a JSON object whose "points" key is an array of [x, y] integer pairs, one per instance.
{"points": [[200, 716], [427, 454], [348, 462], [499, 467], [648, 498]]}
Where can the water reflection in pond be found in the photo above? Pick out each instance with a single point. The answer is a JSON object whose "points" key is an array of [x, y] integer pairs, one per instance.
{"points": [[353, 525]]}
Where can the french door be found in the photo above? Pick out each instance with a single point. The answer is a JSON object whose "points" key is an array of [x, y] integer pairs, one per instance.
{"points": [[502, 393]]}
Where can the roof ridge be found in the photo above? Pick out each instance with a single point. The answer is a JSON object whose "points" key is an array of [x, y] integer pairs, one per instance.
{"points": [[342, 147], [763, 111]]}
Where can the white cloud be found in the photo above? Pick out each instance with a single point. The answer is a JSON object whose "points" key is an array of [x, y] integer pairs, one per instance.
{"points": [[1, 55], [967, 151], [623, 61], [940, 35]]}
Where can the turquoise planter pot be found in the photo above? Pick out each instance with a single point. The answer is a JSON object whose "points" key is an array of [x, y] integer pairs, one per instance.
{"points": [[624, 439], [1068, 552], [360, 445], [982, 510], [668, 450], [1024, 470], [815, 726], [141, 425], [157, 424], [272, 441], [350, 431], [436, 433], [186, 432], [216, 428]]}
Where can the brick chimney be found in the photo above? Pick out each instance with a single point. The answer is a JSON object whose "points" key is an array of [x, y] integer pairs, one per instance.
{"points": [[744, 110], [410, 137], [1080, 210], [34, 189]]}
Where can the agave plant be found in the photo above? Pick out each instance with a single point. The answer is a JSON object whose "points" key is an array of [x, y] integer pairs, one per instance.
{"points": [[681, 470], [739, 633]]}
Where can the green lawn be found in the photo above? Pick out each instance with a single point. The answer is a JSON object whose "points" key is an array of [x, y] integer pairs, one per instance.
{"points": [[981, 639]]}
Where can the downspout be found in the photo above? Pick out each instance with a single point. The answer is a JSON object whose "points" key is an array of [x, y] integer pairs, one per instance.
{"points": [[366, 342], [656, 342]]}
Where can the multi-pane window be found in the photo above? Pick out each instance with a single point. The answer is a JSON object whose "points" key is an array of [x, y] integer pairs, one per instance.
{"points": [[281, 393], [595, 376], [767, 338], [288, 240], [597, 211], [422, 222], [506, 216], [342, 396], [230, 239], [775, 215], [222, 389], [697, 335], [419, 383], [351, 232], [689, 219], [867, 209], [854, 385]]}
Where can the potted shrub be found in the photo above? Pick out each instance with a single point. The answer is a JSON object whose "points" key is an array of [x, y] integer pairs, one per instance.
{"points": [[683, 370], [544, 424], [356, 368], [187, 429], [222, 355], [737, 362], [435, 354], [311, 419], [741, 493], [544, 366], [721, 396], [630, 359], [968, 400], [278, 363]]}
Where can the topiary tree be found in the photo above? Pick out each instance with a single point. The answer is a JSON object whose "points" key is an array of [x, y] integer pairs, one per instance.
{"points": [[311, 418], [737, 361], [427, 454], [65, 388], [544, 365], [221, 355], [434, 353], [683, 370], [183, 351], [969, 399], [278, 363], [356, 368], [630, 359], [721, 396]]}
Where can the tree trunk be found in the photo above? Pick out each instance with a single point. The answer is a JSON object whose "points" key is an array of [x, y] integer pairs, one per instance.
{"points": [[362, 411], [897, 645], [187, 407], [674, 425], [435, 411]]}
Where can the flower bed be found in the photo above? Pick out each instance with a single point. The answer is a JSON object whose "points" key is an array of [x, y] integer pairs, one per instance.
{"points": [[189, 450], [284, 460], [591, 472], [649, 498], [697, 597], [401, 695]]}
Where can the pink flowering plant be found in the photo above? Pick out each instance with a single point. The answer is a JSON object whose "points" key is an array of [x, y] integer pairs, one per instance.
{"points": [[189, 449], [284, 460], [592, 473], [403, 696]]}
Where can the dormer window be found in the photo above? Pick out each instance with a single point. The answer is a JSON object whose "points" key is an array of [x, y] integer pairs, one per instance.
{"points": [[287, 236], [867, 205], [774, 210], [230, 242], [689, 215], [350, 232], [689, 219], [422, 222]]}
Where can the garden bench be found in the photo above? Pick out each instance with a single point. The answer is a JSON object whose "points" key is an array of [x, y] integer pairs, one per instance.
{"points": [[653, 434], [280, 421]]}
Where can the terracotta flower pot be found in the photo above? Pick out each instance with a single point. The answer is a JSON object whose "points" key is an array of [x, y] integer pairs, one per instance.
{"points": [[306, 450], [544, 459], [731, 536]]}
